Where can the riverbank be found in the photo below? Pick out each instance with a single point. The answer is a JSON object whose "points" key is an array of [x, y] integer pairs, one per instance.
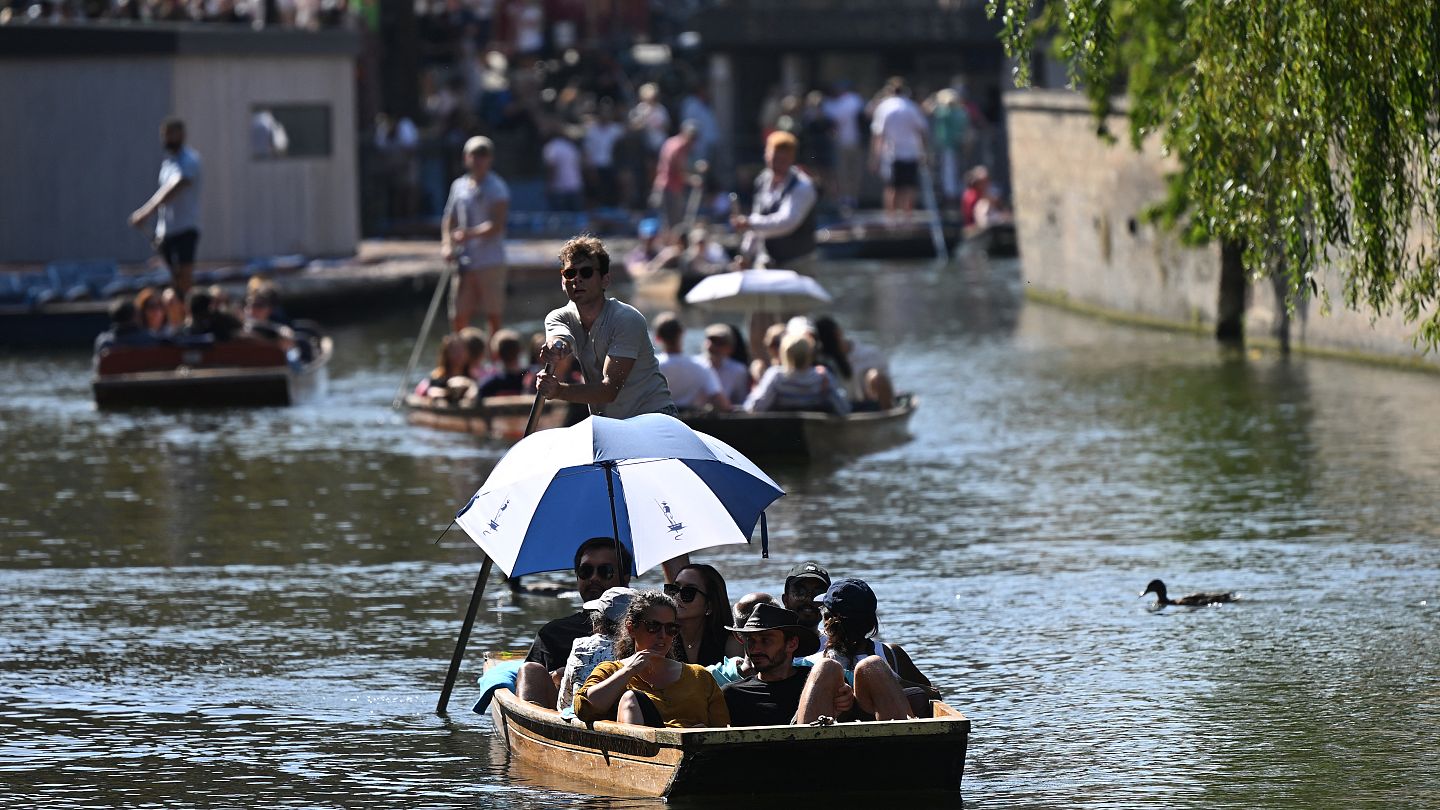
{"points": [[1080, 214]]}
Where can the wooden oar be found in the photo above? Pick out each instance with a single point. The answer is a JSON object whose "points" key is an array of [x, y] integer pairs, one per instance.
{"points": [[459, 657]]}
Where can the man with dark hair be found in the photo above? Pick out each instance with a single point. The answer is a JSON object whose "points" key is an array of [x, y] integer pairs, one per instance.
{"points": [[472, 234], [900, 142], [773, 638], [175, 205], [805, 582], [606, 337], [600, 563], [692, 383]]}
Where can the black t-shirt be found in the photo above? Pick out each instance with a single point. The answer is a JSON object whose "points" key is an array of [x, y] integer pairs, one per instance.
{"points": [[753, 702], [552, 644]]}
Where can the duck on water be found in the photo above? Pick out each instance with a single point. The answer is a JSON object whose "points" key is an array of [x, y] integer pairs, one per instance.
{"points": [[1189, 600]]}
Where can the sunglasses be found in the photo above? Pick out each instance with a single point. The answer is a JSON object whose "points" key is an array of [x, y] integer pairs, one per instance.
{"points": [[686, 593], [653, 627], [604, 571], [569, 273]]}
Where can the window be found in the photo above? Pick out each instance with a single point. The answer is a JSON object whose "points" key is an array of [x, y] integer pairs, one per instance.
{"points": [[289, 131]]}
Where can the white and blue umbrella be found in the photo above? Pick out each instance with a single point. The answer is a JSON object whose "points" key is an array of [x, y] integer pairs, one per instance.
{"points": [[661, 488]]}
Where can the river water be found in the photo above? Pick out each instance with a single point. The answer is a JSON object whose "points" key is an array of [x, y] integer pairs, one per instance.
{"points": [[247, 609]]}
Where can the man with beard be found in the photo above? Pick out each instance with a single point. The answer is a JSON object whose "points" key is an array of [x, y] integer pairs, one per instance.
{"points": [[805, 582], [773, 638]]}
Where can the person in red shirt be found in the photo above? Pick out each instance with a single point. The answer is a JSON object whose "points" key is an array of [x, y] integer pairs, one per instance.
{"points": [[672, 174]]}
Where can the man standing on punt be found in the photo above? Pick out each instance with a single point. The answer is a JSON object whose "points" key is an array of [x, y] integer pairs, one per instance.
{"points": [[175, 206], [608, 338], [611, 342]]}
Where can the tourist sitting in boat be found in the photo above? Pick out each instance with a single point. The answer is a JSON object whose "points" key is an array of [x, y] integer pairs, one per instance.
{"points": [[259, 309], [861, 368], [590, 651], [151, 316], [175, 310], [258, 286], [647, 686], [703, 604], [980, 205], [477, 352], [805, 582], [693, 384], [797, 384], [770, 696], [124, 329], [719, 354], [774, 334], [206, 324], [511, 378], [737, 667], [853, 655], [600, 564], [450, 380]]}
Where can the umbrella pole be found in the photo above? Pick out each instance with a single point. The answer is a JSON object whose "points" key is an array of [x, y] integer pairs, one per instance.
{"points": [[459, 657]]}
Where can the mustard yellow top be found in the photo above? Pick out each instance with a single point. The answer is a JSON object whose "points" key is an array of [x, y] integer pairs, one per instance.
{"points": [[694, 699]]}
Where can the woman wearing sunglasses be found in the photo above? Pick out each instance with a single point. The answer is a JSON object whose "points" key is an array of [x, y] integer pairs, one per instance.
{"points": [[646, 686], [704, 610]]}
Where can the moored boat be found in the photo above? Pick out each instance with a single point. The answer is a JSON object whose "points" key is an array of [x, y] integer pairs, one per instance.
{"points": [[808, 433], [501, 418], [872, 236], [235, 373], [926, 754]]}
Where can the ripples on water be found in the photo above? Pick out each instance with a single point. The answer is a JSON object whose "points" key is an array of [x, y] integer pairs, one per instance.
{"points": [[247, 608]]}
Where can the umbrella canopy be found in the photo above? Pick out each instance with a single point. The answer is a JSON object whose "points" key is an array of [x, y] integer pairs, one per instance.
{"points": [[659, 486], [759, 291]]}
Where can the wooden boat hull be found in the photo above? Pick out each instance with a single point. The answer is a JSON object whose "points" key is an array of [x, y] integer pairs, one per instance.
{"points": [[798, 433], [222, 376], [927, 754], [501, 418]]}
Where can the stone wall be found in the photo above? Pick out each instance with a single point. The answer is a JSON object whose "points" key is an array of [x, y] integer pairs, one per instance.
{"points": [[1080, 204]]}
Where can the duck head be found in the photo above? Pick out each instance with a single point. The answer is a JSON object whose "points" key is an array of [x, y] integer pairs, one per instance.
{"points": [[1156, 587]]}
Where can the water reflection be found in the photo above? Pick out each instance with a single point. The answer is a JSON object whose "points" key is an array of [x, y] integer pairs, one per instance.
{"points": [[248, 608]]}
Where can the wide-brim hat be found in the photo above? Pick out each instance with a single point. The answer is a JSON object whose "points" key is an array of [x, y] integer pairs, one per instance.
{"points": [[614, 602], [766, 616]]}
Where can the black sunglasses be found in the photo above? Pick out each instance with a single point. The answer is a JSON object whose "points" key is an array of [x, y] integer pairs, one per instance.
{"points": [[585, 271], [604, 570], [671, 629], [686, 593]]}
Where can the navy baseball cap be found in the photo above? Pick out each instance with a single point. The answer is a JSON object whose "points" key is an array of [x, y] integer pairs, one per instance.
{"points": [[849, 599]]}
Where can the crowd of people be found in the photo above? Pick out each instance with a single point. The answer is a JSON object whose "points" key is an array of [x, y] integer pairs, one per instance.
{"points": [[159, 316], [303, 14], [685, 656]]}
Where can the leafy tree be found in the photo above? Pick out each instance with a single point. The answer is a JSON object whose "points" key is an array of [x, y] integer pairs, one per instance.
{"points": [[1306, 130]]}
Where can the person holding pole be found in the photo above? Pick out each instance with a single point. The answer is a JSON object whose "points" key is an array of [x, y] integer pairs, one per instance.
{"points": [[175, 205], [472, 234], [610, 342]]}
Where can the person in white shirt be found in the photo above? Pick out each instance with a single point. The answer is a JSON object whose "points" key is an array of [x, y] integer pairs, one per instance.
{"points": [[602, 133], [719, 356], [843, 107], [564, 183], [899, 143], [781, 224], [693, 384]]}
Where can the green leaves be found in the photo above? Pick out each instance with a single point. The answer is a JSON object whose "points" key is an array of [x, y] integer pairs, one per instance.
{"points": [[1306, 130]]}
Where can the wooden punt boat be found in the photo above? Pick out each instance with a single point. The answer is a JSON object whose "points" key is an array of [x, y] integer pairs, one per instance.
{"points": [[236, 373], [924, 755], [491, 418], [808, 433]]}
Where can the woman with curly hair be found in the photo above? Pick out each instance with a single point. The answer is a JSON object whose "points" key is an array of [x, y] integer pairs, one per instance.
{"points": [[646, 686]]}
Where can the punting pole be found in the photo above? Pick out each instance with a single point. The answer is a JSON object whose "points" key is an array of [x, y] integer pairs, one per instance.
{"points": [[937, 231], [440, 289], [459, 657]]}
